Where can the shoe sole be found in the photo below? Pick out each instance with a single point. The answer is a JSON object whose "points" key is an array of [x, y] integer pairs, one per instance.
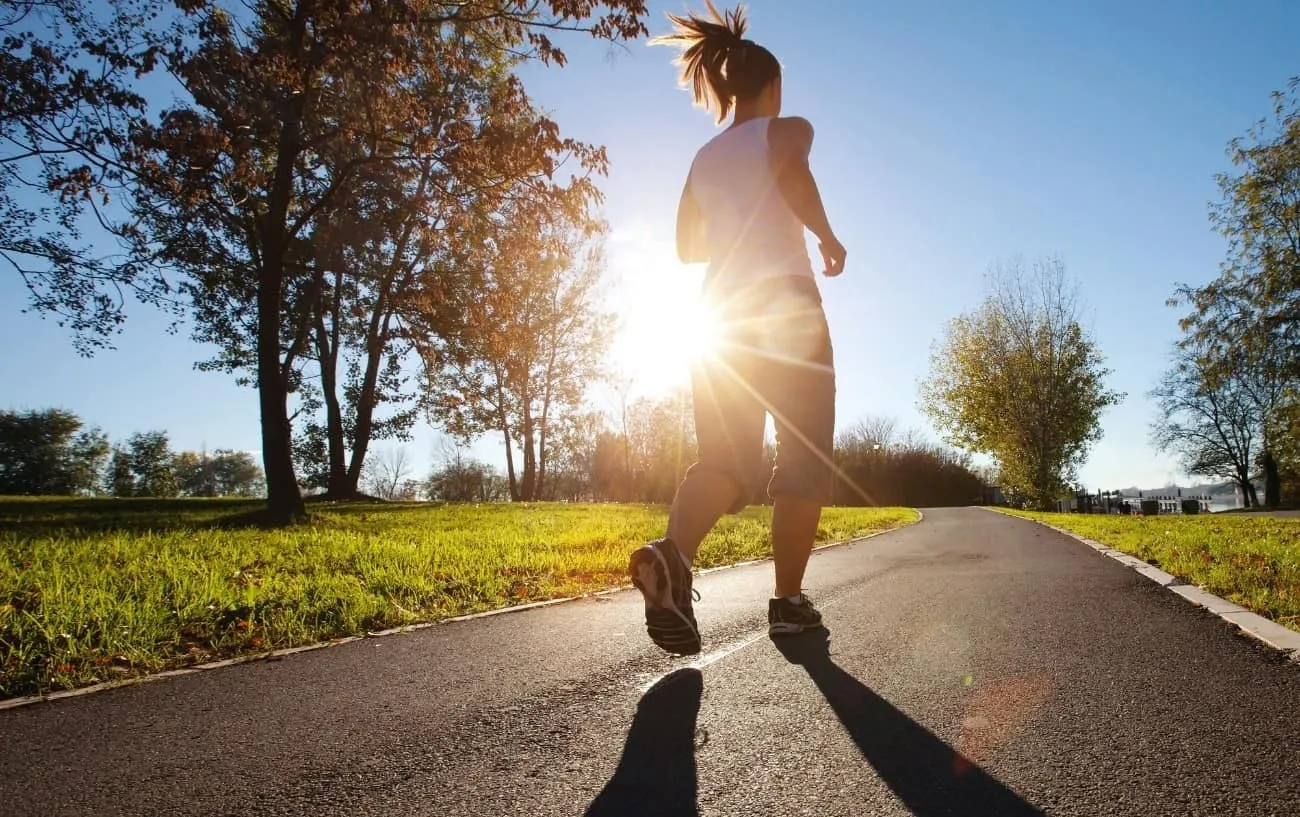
{"points": [[790, 628], [646, 577]]}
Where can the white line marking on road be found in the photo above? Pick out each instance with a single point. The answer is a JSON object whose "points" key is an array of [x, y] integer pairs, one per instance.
{"points": [[274, 655], [644, 686], [700, 663]]}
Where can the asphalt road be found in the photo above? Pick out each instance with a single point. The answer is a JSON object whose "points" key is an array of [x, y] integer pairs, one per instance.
{"points": [[976, 665]]}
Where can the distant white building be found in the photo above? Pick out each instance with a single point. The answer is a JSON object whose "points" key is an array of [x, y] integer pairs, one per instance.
{"points": [[1169, 504], [1112, 502]]}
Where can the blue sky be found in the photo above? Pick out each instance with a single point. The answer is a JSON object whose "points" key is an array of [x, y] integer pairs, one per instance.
{"points": [[950, 136]]}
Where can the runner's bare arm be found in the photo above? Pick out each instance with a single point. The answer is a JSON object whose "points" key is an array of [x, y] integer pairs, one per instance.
{"points": [[790, 142], [691, 248]]}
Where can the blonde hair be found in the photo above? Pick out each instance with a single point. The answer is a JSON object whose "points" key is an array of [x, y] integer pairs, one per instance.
{"points": [[716, 60]]}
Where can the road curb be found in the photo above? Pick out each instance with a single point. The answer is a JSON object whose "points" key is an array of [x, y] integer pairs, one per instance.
{"points": [[1261, 629], [278, 655]]}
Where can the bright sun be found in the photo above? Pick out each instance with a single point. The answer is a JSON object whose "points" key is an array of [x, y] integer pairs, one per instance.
{"points": [[662, 326]]}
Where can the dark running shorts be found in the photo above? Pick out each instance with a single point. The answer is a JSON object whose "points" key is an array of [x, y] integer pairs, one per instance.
{"points": [[773, 357]]}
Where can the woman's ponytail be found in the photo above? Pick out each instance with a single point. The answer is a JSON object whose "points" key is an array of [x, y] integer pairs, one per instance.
{"points": [[716, 60]]}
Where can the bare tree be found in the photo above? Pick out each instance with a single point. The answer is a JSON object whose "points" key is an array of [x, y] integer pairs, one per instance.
{"points": [[869, 433], [459, 478], [1209, 418], [528, 338], [879, 463], [388, 474]]}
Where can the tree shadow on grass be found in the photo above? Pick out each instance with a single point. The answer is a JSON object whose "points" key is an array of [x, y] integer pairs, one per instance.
{"points": [[929, 776], [43, 516], [656, 775]]}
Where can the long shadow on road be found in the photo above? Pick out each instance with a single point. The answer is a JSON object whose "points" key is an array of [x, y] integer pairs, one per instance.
{"points": [[656, 775], [930, 777]]}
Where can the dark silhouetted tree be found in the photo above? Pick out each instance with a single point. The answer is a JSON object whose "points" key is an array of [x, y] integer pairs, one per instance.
{"points": [[49, 453], [119, 481], [1245, 321], [1208, 418], [68, 71], [881, 465], [289, 110], [152, 464], [463, 479]]}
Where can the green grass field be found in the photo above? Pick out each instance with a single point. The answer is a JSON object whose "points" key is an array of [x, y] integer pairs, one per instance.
{"points": [[94, 590], [1249, 560]]}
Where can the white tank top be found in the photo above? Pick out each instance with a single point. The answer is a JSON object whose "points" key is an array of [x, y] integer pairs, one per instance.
{"points": [[751, 233]]}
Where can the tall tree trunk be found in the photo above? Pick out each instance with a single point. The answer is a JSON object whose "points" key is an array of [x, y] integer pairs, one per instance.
{"points": [[377, 336], [327, 352], [548, 392], [504, 418], [376, 343], [1272, 482], [510, 465], [284, 499], [528, 491], [624, 491], [1046, 501], [540, 491], [542, 442]]}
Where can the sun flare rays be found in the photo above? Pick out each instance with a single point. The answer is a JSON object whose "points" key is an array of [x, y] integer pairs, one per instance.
{"points": [[662, 325]]}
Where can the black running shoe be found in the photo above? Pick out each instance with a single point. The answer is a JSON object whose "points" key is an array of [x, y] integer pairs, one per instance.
{"points": [[663, 578], [785, 617]]}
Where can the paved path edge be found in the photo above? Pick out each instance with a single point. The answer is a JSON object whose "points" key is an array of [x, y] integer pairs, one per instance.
{"points": [[1262, 629], [279, 655]]}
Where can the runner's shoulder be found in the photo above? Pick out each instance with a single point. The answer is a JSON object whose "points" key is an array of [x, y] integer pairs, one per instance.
{"points": [[794, 126], [792, 132]]}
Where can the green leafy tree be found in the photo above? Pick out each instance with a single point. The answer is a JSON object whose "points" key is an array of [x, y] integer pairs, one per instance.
{"points": [[1246, 319], [152, 464], [611, 479], [226, 187], [1019, 379], [646, 456], [237, 474], [661, 441], [195, 475], [572, 463], [86, 458], [385, 261], [49, 452], [119, 481], [1284, 431]]}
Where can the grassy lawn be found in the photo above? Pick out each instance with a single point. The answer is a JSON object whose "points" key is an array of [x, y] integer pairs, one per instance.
{"points": [[94, 590], [1249, 560]]}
